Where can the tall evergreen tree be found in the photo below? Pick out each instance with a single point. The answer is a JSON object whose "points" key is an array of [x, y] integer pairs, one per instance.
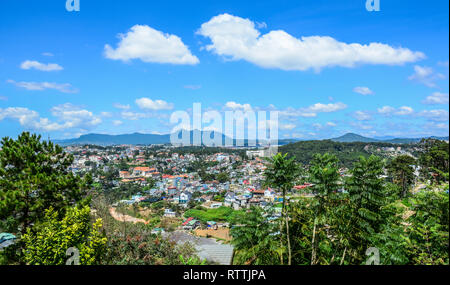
{"points": [[367, 196], [281, 173], [34, 176], [324, 174], [402, 172]]}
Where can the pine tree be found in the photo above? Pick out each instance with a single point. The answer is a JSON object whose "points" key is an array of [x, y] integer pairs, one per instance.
{"points": [[34, 176]]}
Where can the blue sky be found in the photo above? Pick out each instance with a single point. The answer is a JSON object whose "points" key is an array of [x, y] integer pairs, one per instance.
{"points": [[328, 67]]}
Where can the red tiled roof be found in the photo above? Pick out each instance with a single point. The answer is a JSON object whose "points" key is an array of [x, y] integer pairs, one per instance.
{"points": [[187, 221]]}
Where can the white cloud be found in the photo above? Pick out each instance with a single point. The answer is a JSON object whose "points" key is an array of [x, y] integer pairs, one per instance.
{"points": [[117, 122], [436, 98], [298, 135], [134, 116], [106, 114], [434, 125], [73, 116], [3, 98], [362, 116], [326, 108], [120, 106], [312, 110], [404, 110], [47, 54], [149, 45], [69, 116], [363, 90], [237, 39], [331, 124], [425, 75], [287, 126], [317, 126], [236, 106], [386, 110], [435, 115], [361, 126], [401, 111], [149, 104], [30, 64], [27, 118], [40, 86]]}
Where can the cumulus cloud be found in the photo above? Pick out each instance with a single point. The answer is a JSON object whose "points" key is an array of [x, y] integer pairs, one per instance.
{"points": [[31, 64], [362, 90], [360, 126], [68, 116], [401, 111], [435, 115], [326, 108], [73, 116], [155, 105], [28, 118], [362, 116], [120, 106], [386, 110], [312, 110], [150, 45], [117, 122], [106, 114], [40, 86], [237, 38], [404, 110], [287, 126], [436, 98], [425, 75], [128, 115], [236, 106]]}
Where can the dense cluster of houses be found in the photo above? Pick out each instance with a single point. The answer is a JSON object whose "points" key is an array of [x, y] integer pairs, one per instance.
{"points": [[242, 190]]}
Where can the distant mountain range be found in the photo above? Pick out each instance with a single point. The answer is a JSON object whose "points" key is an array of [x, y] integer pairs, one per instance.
{"points": [[351, 137], [146, 139]]}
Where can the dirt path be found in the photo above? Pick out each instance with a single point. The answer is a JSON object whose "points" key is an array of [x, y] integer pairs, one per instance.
{"points": [[221, 233], [125, 218]]}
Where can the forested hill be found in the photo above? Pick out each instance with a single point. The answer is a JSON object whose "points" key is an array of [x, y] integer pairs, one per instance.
{"points": [[347, 152]]}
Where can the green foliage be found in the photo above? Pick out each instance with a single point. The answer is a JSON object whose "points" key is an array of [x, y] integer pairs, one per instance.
{"points": [[256, 238], [192, 261], [34, 176], [428, 235], [223, 177], [47, 242], [435, 160], [325, 177], [347, 153], [134, 244], [367, 197], [281, 173], [402, 172], [204, 215]]}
